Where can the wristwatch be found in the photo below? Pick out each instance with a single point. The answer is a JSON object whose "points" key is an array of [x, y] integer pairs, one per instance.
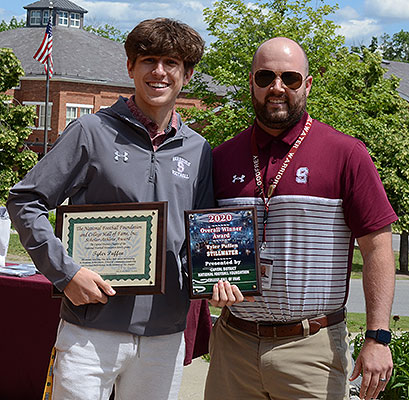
{"points": [[380, 335]]}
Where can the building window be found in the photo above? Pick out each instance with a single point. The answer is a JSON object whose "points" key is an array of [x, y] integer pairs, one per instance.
{"points": [[46, 14], [40, 110], [75, 20], [75, 111], [41, 116], [63, 18], [71, 114], [35, 17], [85, 110]]}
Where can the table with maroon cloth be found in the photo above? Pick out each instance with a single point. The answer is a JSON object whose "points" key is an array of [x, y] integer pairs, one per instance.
{"points": [[29, 319]]}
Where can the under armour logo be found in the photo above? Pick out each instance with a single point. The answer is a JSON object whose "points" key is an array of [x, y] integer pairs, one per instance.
{"points": [[124, 156], [238, 178]]}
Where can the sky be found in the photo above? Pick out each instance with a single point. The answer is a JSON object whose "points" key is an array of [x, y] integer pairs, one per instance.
{"points": [[359, 20]]}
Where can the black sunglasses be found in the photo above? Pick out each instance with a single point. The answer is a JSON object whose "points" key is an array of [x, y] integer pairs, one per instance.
{"points": [[291, 79]]}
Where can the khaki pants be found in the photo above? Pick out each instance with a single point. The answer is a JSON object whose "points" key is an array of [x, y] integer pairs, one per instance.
{"points": [[244, 366]]}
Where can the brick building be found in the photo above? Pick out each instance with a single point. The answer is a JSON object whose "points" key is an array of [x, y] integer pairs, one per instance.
{"points": [[89, 71]]}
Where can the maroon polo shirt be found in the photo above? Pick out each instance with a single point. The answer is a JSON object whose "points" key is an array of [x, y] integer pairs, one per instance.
{"points": [[329, 195]]}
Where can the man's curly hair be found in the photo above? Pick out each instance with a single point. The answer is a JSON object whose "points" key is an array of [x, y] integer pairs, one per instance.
{"points": [[164, 36]]}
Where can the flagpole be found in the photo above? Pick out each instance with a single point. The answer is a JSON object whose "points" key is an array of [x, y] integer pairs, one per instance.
{"points": [[47, 93]]}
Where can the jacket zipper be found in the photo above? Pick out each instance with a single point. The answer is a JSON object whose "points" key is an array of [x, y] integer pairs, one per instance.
{"points": [[152, 168]]}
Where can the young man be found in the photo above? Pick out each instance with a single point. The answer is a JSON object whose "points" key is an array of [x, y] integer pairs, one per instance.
{"points": [[315, 190], [138, 150]]}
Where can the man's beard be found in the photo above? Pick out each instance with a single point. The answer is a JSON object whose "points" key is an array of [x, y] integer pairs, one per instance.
{"points": [[281, 120]]}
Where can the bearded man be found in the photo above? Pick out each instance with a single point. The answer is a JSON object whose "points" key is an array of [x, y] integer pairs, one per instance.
{"points": [[316, 190]]}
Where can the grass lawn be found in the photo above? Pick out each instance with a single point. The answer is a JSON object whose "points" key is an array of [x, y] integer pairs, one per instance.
{"points": [[356, 270], [16, 251]]}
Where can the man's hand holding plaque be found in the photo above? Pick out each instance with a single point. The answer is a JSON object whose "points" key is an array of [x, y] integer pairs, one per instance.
{"points": [[87, 287]]}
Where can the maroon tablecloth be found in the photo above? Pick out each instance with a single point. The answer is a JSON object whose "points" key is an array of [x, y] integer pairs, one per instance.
{"points": [[29, 320]]}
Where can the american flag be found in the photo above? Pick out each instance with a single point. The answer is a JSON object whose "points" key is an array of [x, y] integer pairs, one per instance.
{"points": [[44, 52]]}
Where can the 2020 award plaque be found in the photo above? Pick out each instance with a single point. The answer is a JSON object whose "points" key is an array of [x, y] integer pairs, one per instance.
{"points": [[222, 244], [124, 243]]}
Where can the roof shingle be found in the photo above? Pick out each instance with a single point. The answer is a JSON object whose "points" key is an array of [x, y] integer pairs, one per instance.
{"points": [[64, 5], [77, 54], [400, 70]]}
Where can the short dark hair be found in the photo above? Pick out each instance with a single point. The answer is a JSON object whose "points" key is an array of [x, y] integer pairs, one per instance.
{"points": [[164, 36]]}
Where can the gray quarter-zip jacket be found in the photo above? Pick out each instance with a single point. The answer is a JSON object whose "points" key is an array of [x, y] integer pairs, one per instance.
{"points": [[108, 157]]}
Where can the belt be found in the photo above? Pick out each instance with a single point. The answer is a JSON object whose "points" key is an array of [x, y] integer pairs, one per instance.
{"points": [[278, 330]]}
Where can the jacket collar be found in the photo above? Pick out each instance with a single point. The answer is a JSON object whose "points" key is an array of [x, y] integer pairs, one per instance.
{"points": [[122, 111]]}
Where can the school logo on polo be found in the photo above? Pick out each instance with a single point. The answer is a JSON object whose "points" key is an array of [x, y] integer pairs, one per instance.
{"points": [[301, 175], [181, 167]]}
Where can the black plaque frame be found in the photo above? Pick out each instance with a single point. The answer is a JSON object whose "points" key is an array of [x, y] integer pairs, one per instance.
{"points": [[151, 215], [215, 249]]}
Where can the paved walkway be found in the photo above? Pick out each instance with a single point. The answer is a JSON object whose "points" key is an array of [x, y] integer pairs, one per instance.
{"points": [[400, 305], [193, 380]]}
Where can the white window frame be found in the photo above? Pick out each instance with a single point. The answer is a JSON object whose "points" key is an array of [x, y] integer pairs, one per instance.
{"points": [[41, 116], [46, 16], [35, 17], [40, 111], [85, 111], [80, 110], [63, 18], [75, 20], [72, 116]]}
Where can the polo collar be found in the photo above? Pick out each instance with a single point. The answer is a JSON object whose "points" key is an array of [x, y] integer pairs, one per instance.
{"points": [[288, 137]]}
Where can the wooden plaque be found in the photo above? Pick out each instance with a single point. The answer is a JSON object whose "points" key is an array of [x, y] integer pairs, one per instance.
{"points": [[125, 243]]}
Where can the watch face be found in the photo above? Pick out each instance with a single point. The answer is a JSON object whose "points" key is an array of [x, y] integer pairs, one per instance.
{"points": [[383, 336]]}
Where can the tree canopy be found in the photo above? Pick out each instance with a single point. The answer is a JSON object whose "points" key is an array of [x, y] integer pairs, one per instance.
{"points": [[395, 48], [354, 96], [15, 159], [13, 24], [107, 31], [392, 48]]}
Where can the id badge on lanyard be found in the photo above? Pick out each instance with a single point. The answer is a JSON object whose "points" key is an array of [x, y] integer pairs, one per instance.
{"points": [[266, 272]]}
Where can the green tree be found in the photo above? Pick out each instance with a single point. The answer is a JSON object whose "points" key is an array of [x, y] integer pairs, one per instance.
{"points": [[396, 48], [108, 31], [15, 159], [373, 46], [239, 29], [354, 96], [13, 24]]}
